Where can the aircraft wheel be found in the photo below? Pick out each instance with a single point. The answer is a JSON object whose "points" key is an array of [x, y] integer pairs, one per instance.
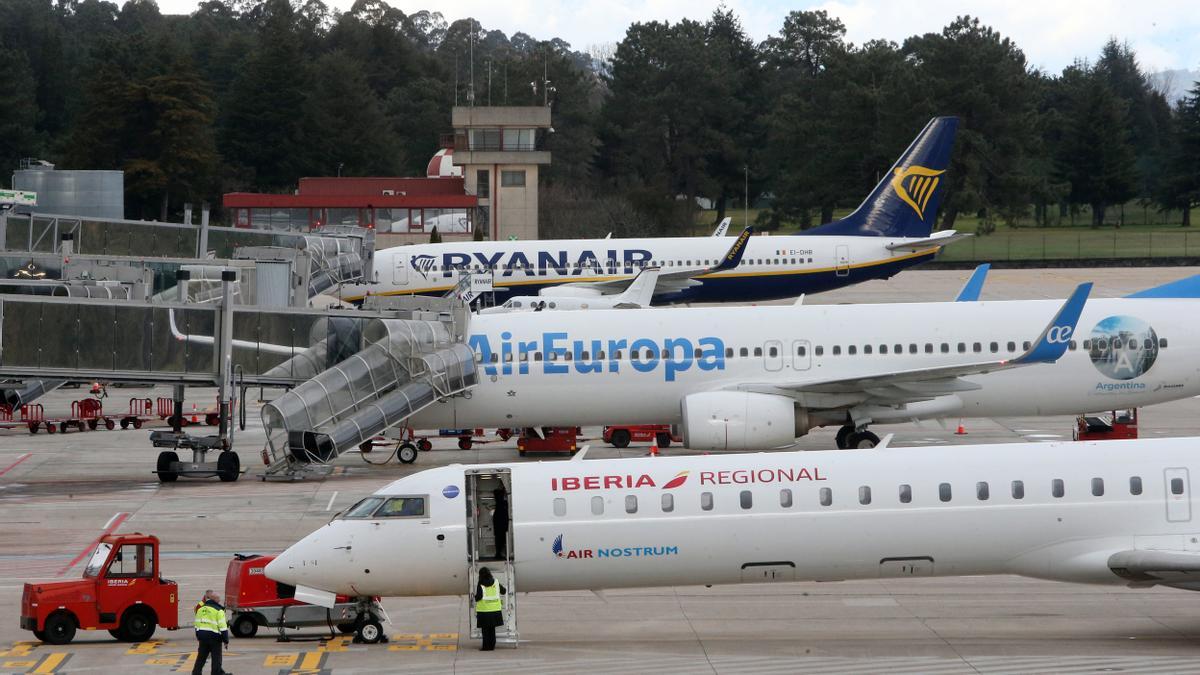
{"points": [[663, 439], [370, 631], [406, 453], [165, 459], [229, 467], [842, 435], [620, 438], [861, 440]]}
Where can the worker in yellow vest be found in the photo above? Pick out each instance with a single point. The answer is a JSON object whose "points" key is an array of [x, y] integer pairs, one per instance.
{"points": [[489, 608], [211, 632]]}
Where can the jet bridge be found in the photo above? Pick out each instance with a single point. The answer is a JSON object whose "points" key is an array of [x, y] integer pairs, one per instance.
{"points": [[406, 366]]}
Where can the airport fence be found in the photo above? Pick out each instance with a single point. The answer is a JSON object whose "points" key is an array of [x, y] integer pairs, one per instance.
{"points": [[1072, 244]]}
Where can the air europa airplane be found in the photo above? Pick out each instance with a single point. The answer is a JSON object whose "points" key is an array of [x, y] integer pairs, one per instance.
{"points": [[1113, 512], [736, 378], [890, 231]]}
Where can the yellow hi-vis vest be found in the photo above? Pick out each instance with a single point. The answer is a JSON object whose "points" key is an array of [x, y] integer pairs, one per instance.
{"points": [[490, 602], [210, 619]]}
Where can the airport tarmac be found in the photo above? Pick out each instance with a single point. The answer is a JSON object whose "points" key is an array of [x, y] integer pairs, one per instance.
{"points": [[59, 493]]}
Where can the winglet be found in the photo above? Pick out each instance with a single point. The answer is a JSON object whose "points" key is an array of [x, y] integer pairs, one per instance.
{"points": [[722, 227], [971, 290], [733, 258], [1056, 338]]}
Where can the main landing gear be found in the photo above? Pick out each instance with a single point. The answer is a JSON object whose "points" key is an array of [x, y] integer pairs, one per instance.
{"points": [[849, 438]]}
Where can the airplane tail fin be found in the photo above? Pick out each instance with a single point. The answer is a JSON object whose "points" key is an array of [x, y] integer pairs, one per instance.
{"points": [[640, 291], [733, 257], [1188, 287], [905, 202]]}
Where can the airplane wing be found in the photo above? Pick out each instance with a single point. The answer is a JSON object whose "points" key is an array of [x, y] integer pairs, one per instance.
{"points": [[940, 238], [1150, 567], [901, 386], [974, 286], [676, 279], [722, 227]]}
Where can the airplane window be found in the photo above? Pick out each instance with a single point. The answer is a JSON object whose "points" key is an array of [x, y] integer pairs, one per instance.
{"points": [[566, 356], [1012, 346], [1135, 485], [583, 356], [1097, 487], [758, 351], [600, 356], [1162, 342], [977, 348], [1087, 344], [866, 349], [746, 498], [801, 351], [537, 356], [982, 492], [852, 350], [1056, 488], [560, 506], [774, 351], [810, 260], [617, 355], [668, 502], [837, 349], [478, 358], [1116, 343], [785, 498], [706, 501], [1071, 345], [905, 494], [524, 356], [1026, 347], [649, 354], [697, 353], [898, 349], [826, 496], [1176, 486], [912, 348], [516, 303], [944, 492], [364, 508], [819, 350], [551, 356], [995, 347], [962, 348], [729, 352], [928, 347], [1018, 489], [508, 358], [945, 348], [630, 503], [743, 352], [495, 357], [864, 495], [553, 305], [402, 507], [597, 506]]}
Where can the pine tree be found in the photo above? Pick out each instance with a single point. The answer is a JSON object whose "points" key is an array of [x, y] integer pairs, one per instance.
{"points": [[18, 112], [1181, 182]]}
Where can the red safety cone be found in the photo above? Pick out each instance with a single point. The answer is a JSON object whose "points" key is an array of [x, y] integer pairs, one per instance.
{"points": [[654, 449], [960, 431], [195, 416]]}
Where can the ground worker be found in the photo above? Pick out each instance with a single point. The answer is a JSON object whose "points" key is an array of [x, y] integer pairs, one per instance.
{"points": [[211, 632], [489, 609]]}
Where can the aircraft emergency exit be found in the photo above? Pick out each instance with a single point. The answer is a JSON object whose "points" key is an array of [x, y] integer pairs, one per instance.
{"points": [[1110, 512], [890, 231], [736, 378]]}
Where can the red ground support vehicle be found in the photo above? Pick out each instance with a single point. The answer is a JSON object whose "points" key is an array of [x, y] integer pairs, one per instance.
{"points": [[140, 410], [620, 435], [120, 592], [255, 601], [548, 439], [1118, 424]]}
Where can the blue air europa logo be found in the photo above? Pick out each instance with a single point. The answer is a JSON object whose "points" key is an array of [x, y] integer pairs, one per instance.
{"points": [[561, 355]]}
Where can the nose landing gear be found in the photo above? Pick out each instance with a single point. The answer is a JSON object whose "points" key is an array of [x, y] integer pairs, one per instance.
{"points": [[850, 438]]}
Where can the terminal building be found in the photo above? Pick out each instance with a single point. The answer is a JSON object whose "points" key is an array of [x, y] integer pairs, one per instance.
{"points": [[484, 178]]}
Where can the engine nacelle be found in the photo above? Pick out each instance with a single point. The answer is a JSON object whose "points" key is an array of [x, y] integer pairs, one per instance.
{"points": [[741, 420]]}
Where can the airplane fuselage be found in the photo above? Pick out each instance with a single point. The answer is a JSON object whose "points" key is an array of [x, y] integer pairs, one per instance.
{"points": [[636, 366], [1057, 511], [772, 267]]}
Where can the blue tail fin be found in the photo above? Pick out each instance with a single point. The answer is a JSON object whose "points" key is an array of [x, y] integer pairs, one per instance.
{"points": [[1180, 288], [905, 203]]}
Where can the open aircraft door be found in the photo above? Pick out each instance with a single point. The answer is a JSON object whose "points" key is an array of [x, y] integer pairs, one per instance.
{"points": [[490, 543], [843, 260], [1178, 494]]}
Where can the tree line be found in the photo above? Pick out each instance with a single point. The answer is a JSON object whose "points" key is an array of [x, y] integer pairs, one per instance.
{"points": [[252, 95]]}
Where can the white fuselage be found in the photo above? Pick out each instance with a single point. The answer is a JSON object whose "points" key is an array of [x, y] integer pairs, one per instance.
{"points": [[1053, 511], [772, 266], [742, 346]]}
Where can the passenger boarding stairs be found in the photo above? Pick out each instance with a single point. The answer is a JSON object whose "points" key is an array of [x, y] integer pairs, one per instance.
{"points": [[407, 366], [503, 572]]}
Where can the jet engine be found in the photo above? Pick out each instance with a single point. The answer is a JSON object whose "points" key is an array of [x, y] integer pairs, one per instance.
{"points": [[741, 420]]}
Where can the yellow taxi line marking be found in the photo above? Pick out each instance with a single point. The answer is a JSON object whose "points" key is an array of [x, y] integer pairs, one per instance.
{"points": [[51, 663]]}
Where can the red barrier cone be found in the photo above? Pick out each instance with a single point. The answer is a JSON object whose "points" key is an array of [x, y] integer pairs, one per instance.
{"points": [[654, 449], [195, 417], [960, 431]]}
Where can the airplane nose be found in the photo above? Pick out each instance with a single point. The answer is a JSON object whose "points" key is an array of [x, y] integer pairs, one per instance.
{"points": [[283, 568]]}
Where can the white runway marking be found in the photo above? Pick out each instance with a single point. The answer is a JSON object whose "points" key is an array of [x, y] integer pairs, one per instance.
{"points": [[331, 498]]}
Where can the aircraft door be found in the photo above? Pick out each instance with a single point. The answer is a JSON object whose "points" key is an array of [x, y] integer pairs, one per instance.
{"points": [[1178, 494], [801, 354], [773, 355], [489, 515], [843, 260], [399, 270]]}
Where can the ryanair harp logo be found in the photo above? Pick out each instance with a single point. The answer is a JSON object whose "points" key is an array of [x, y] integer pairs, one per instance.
{"points": [[915, 185]]}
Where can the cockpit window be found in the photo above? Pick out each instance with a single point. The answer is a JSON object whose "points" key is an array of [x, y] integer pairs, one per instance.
{"points": [[402, 507], [364, 508]]}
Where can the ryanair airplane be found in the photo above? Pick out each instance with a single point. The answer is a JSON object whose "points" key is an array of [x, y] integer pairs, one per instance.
{"points": [[890, 231]]}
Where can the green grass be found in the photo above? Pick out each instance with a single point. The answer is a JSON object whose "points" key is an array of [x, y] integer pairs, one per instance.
{"points": [[1146, 234]]}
